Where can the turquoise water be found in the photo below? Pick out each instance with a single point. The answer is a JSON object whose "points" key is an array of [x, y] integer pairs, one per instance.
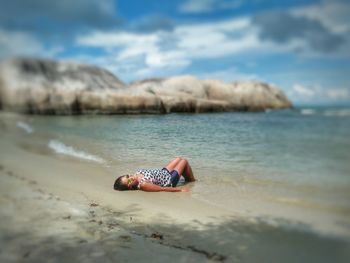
{"points": [[298, 158], [281, 145]]}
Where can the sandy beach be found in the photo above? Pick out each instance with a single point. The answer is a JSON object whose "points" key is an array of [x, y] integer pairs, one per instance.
{"points": [[56, 209]]}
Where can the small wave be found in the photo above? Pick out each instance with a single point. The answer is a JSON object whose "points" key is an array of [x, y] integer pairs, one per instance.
{"points": [[307, 111], [337, 113], [61, 148], [25, 126]]}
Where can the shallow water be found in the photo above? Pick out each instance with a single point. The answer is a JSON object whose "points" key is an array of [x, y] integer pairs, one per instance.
{"points": [[294, 161]]}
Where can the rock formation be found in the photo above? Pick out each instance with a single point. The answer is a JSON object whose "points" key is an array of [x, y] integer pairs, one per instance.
{"points": [[52, 87]]}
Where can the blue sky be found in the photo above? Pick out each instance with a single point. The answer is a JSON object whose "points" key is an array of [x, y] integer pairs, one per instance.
{"points": [[302, 46]]}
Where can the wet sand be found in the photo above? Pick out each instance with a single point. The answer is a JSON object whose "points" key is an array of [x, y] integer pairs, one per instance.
{"points": [[62, 209]]}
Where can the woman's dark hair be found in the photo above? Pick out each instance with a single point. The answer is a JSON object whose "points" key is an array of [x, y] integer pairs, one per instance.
{"points": [[118, 185]]}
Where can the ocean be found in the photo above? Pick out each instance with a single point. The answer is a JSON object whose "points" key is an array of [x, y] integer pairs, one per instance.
{"points": [[280, 165]]}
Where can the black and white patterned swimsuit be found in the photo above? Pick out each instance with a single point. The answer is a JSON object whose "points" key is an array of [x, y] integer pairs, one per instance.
{"points": [[155, 176]]}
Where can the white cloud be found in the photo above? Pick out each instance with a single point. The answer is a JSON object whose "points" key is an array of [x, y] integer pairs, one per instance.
{"points": [[115, 39], [18, 43], [206, 6], [158, 53], [150, 55], [339, 94], [319, 93], [15, 43], [193, 41], [163, 59], [129, 45], [218, 39], [302, 91], [334, 15], [190, 42]]}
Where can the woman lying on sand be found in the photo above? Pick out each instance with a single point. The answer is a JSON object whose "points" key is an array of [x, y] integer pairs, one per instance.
{"points": [[157, 180]]}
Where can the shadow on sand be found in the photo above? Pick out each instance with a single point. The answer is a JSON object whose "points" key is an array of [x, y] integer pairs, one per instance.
{"points": [[101, 237]]}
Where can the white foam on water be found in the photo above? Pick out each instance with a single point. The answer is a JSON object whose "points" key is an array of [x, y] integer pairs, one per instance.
{"points": [[25, 126], [338, 113], [61, 148], [307, 111]]}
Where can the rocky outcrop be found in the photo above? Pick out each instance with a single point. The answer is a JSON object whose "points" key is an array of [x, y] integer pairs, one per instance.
{"points": [[53, 87], [188, 94]]}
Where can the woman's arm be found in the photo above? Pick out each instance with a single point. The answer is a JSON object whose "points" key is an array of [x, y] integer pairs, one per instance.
{"points": [[149, 187]]}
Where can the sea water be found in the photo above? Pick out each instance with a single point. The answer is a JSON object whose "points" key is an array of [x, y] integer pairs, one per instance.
{"points": [[294, 161]]}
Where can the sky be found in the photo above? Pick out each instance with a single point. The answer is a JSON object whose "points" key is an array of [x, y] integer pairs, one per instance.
{"points": [[301, 46]]}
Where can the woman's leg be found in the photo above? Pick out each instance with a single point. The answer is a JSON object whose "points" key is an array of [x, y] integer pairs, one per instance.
{"points": [[183, 168], [172, 164], [189, 172]]}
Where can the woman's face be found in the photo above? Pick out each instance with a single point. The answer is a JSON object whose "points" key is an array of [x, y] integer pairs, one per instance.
{"points": [[130, 181]]}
